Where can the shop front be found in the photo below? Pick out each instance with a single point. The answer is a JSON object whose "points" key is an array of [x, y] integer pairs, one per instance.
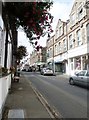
{"points": [[79, 63]]}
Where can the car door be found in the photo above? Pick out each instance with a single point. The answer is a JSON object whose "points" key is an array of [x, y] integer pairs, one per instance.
{"points": [[82, 79], [87, 78]]}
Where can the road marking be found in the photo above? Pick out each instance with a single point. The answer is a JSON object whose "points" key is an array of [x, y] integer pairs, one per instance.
{"points": [[52, 112]]}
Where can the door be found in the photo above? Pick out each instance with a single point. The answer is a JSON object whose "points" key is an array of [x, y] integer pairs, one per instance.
{"points": [[82, 78]]}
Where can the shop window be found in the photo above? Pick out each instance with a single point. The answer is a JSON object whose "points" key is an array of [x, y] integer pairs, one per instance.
{"points": [[78, 64]]}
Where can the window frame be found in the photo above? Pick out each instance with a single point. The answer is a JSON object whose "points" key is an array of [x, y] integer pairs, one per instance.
{"points": [[79, 38], [70, 41], [80, 14]]}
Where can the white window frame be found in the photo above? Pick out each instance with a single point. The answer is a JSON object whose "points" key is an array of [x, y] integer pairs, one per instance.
{"points": [[55, 49], [79, 38], [59, 47], [70, 41], [80, 12], [64, 44], [50, 52]]}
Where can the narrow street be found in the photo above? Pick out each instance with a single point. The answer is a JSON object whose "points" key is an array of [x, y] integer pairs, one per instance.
{"points": [[69, 101]]}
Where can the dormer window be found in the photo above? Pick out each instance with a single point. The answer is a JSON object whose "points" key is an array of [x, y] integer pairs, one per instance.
{"points": [[80, 13]]}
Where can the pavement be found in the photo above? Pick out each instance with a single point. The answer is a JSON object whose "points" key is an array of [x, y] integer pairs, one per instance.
{"points": [[22, 98], [62, 75]]}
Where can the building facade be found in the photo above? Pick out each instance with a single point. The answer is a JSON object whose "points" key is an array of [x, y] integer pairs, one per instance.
{"points": [[38, 58], [78, 33], [2, 42], [2, 46], [71, 41], [57, 46], [50, 52]]}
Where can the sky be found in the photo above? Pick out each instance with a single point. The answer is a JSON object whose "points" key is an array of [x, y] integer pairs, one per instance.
{"points": [[60, 10]]}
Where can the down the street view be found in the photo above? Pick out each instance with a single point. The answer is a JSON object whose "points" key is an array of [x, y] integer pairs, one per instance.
{"points": [[68, 101], [44, 59]]}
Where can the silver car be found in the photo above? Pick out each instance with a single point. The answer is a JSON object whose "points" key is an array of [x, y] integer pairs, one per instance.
{"points": [[46, 71], [80, 78]]}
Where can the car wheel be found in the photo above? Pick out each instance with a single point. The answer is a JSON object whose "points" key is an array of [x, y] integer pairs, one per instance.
{"points": [[71, 81]]}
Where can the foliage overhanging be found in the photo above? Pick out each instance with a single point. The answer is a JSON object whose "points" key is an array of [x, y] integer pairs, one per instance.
{"points": [[34, 17]]}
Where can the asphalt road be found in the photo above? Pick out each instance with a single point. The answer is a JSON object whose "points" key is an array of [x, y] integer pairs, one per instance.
{"points": [[69, 101]]}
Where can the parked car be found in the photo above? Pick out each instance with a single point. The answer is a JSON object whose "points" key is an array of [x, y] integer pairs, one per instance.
{"points": [[80, 78], [46, 71]]}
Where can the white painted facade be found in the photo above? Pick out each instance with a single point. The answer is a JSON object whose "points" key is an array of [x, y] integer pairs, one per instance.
{"points": [[2, 46], [2, 42], [78, 29], [5, 82]]}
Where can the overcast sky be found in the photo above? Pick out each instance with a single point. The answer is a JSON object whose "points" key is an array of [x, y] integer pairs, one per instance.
{"points": [[60, 10]]}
